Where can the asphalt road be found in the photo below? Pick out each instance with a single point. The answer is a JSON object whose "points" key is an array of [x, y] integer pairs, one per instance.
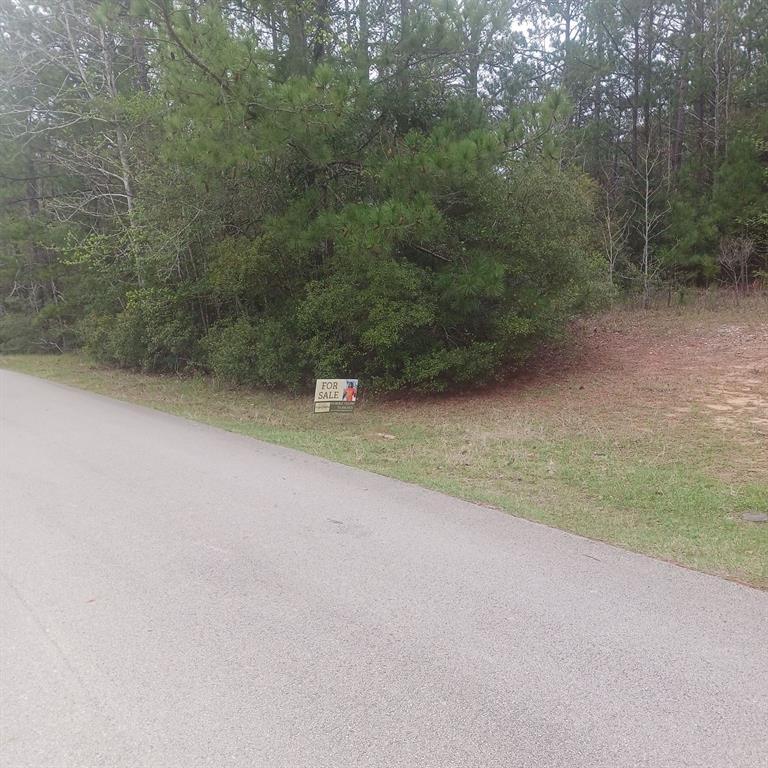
{"points": [[172, 595]]}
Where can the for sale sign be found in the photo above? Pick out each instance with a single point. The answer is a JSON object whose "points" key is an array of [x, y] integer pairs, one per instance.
{"points": [[335, 395]]}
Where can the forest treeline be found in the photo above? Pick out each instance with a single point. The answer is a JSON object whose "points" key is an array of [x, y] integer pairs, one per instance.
{"points": [[413, 192]]}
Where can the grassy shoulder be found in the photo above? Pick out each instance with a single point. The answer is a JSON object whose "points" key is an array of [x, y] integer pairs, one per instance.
{"points": [[635, 460]]}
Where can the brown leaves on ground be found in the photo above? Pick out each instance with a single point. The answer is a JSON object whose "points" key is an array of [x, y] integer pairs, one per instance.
{"points": [[643, 371], [718, 369]]}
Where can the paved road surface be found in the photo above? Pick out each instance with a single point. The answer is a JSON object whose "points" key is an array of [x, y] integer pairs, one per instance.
{"points": [[174, 596]]}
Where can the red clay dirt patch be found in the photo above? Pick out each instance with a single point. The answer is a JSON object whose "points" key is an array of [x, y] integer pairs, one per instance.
{"points": [[648, 368], [722, 369]]}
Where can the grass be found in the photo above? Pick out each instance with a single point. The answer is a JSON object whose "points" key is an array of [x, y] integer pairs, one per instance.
{"points": [[635, 460]]}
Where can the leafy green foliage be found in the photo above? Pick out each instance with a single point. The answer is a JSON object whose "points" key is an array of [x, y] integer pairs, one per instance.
{"points": [[275, 193], [263, 354], [736, 206], [153, 332]]}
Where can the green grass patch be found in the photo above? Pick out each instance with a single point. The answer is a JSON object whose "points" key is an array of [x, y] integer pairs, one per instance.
{"points": [[665, 489]]}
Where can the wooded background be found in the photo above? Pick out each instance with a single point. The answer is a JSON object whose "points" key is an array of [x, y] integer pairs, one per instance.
{"points": [[413, 192]]}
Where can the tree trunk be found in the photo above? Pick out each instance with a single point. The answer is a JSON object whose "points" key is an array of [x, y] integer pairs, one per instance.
{"points": [[297, 39], [403, 65], [701, 91], [681, 93], [108, 49], [636, 89], [363, 56], [322, 30], [648, 75]]}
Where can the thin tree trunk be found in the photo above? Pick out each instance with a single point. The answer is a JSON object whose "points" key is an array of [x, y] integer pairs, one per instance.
{"points": [[636, 89], [322, 30], [363, 55], [700, 95], [139, 53], [403, 64], [681, 98], [648, 77], [297, 39], [107, 45]]}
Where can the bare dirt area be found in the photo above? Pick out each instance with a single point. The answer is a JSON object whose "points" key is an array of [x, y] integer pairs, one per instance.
{"points": [[665, 364], [682, 377], [720, 368]]}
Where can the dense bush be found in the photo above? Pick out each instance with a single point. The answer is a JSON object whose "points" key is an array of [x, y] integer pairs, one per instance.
{"points": [[735, 207], [446, 261], [18, 333], [262, 354], [152, 332], [44, 331], [318, 225]]}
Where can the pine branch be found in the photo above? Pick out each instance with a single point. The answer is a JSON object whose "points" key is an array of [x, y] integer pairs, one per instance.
{"points": [[199, 63]]}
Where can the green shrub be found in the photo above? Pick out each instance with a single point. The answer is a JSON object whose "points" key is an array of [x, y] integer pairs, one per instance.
{"points": [[430, 259], [18, 334], [230, 349], [263, 354], [154, 331], [43, 331]]}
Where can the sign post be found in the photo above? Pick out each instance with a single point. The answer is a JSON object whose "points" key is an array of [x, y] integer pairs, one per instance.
{"points": [[335, 395]]}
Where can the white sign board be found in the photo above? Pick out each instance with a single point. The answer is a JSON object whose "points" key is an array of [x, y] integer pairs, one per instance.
{"points": [[335, 395]]}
